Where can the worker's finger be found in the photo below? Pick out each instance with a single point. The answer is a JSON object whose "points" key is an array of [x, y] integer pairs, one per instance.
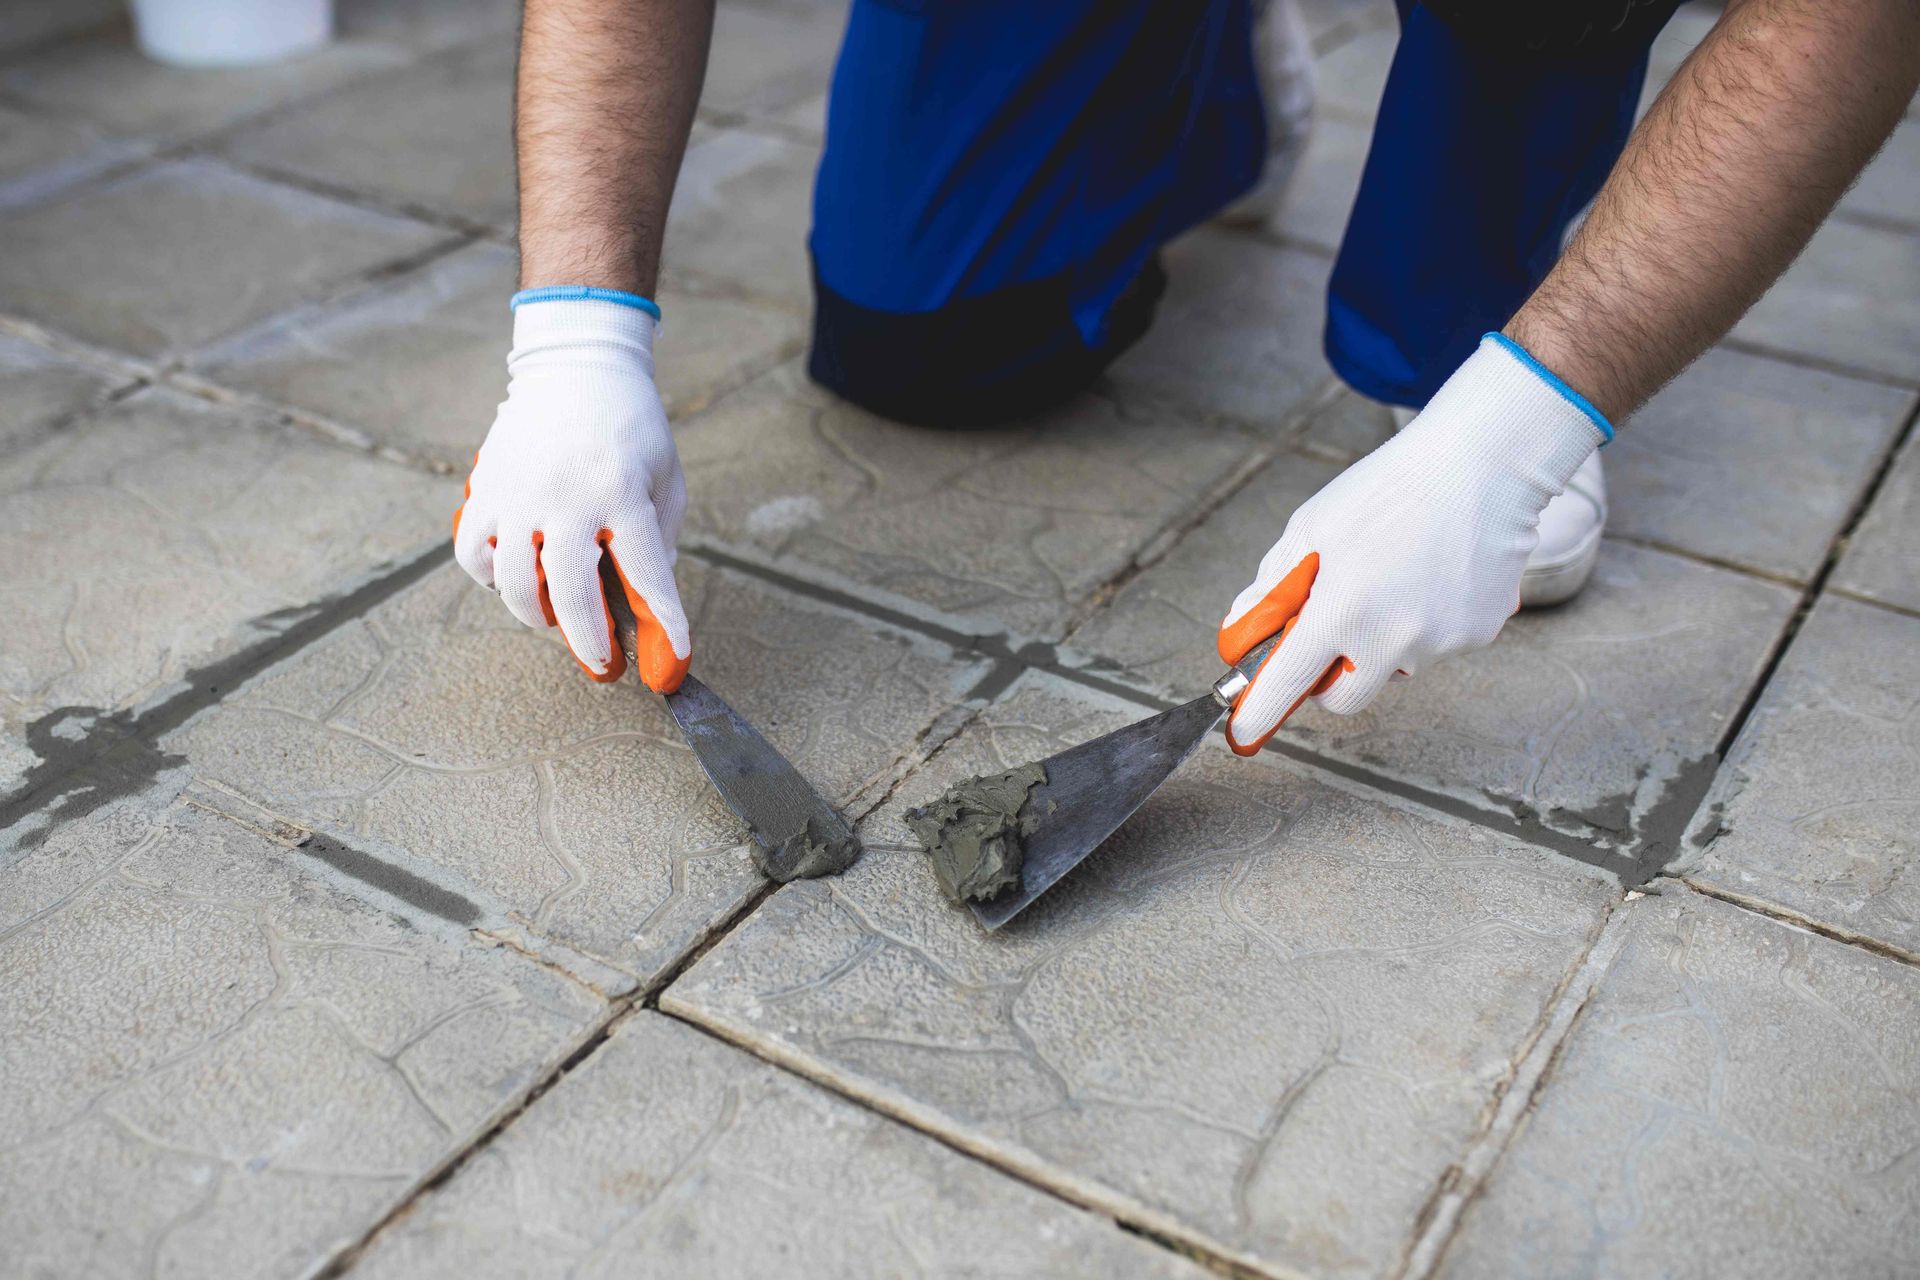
{"points": [[570, 588], [662, 643], [1275, 598], [1293, 670], [516, 574], [670, 504], [473, 541], [1353, 691]]}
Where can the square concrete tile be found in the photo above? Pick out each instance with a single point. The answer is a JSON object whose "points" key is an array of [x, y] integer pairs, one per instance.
{"points": [[740, 217], [1589, 715], [1853, 298], [43, 388], [155, 536], [1890, 187], [441, 731], [213, 1051], [1817, 808], [1751, 461], [106, 81], [418, 363], [1004, 530], [1238, 332], [1320, 194], [1682, 34], [1882, 560], [425, 24], [1265, 1017], [39, 156], [1350, 78], [169, 257], [680, 1156], [30, 22], [1740, 1098], [436, 135], [766, 59]]}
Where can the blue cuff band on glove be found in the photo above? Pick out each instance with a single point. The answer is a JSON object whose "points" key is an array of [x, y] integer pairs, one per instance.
{"points": [[588, 293], [1552, 379]]}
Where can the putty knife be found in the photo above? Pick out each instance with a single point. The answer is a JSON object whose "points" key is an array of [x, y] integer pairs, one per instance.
{"points": [[1092, 788], [795, 832]]}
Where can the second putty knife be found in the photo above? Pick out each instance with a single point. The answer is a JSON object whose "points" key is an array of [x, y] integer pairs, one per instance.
{"points": [[796, 834], [1092, 788]]}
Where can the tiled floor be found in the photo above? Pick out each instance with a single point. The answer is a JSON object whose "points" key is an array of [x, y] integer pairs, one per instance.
{"points": [[345, 929]]}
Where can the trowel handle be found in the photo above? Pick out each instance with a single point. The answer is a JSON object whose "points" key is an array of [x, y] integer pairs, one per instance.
{"points": [[1231, 685], [626, 628]]}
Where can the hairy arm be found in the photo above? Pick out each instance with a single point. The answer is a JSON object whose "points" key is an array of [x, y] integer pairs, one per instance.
{"points": [[606, 94], [1720, 186]]}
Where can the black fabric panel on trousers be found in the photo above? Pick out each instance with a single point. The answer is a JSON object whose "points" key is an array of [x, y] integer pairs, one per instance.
{"points": [[1555, 27], [977, 362]]}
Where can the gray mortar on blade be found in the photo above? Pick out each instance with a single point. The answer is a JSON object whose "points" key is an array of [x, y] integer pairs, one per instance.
{"points": [[975, 832]]}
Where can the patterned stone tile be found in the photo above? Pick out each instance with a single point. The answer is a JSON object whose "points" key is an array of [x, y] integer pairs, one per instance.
{"points": [[1587, 715], [418, 363], [1817, 808], [680, 1156], [104, 79], [740, 217], [1238, 332], [1010, 529], [765, 59], [1267, 1016], [438, 729], [1890, 187], [42, 389], [1751, 461], [39, 156], [215, 1051], [1882, 560], [157, 535], [1351, 77], [425, 24], [1739, 1098], [172, 256], [435, 135], [1320, 194], [1852, 298]]}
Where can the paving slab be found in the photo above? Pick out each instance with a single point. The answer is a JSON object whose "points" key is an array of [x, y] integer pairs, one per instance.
{"points": [[169, 257], [104, 79], [1238, 332], [1882, 560], [1265, 1018], [43, 389], [436, 135], [39, 156], [1588, 715], [740, 216], [1852, 298], [1817, 808], [1320, 194], [418, 363], [764, 59], [440, 733], [30, 22], [1349, 79], [668, 1153], [425, 24], [1751, 462], [162, 533], [214, 1052], [1890, 187], [1007, 529], [1740, 1098]]}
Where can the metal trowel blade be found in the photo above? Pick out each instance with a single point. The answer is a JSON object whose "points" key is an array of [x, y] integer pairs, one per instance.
{"points": [[758, 784], [1092, 788]]}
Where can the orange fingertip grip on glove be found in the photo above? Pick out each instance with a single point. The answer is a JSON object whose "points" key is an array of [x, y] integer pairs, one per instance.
{"points": [[1277, 611]]}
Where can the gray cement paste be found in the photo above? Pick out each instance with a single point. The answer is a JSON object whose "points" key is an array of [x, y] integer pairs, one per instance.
{"points": [[812, 852], [973, 833]]}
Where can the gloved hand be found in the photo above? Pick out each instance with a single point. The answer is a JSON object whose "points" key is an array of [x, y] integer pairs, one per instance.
{"points": [[1415, 551], [580, 460]]}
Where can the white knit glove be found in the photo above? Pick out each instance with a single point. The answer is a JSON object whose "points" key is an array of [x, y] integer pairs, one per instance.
{"points": [[580, 459], [1415, 551]]}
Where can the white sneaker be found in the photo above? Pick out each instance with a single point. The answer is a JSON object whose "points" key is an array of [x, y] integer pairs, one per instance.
{"points": [[1570, 530], [1283, 59]]}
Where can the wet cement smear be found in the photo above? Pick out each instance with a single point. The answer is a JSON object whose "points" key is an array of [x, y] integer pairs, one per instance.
{"points": [[974, 833], [815, 851]]}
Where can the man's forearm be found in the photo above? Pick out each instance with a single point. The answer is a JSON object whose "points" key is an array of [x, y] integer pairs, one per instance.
{"points": [[1720, 186], [606, 95]]}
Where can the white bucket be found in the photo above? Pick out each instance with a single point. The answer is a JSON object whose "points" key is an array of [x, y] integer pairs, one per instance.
{"points": [[230, 33]]}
